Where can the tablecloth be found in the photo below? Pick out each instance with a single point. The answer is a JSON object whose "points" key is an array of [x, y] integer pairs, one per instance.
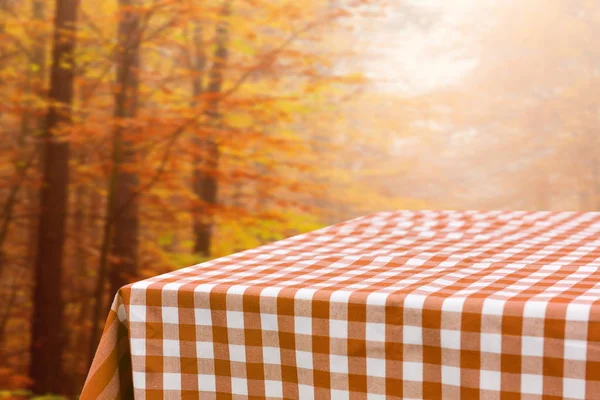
{"points": [[394, 305]]}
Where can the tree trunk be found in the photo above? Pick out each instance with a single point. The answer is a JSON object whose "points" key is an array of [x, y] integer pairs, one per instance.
{"points": [[123, 266], [47, 320], [197, 62], [118, 253], [79, 288], [205, 182], [39, 60]]}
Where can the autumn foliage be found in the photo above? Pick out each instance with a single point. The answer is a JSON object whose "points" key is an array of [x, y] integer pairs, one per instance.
{"points": [[141, 136]]}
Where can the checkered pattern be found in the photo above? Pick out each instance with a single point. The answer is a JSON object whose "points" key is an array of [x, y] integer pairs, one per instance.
{"points": [[395, 305]]}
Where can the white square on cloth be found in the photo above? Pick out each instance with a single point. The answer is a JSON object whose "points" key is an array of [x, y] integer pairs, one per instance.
{"points": [[171, 381], [489, 380]]}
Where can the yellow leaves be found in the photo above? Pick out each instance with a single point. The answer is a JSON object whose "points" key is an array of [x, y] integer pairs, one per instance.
{"points": [[237, 234], [354, 78], [243, 47], [240, 120], [66, 64]]}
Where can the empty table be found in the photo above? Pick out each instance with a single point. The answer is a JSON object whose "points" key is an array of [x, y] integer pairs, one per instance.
{"points": [[394, 305]]}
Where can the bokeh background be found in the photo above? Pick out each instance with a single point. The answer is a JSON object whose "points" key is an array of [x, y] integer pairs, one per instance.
{"points": [[161, 133]]}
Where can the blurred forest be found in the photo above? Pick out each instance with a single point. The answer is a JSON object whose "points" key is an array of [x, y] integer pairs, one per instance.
{"points": [[142, 136]]}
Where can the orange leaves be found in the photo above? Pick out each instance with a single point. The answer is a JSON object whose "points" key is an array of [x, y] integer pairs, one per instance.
{"points": [[10, 380]]}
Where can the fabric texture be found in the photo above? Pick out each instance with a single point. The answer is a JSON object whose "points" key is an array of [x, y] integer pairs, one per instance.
{"points": [[394, 305]]}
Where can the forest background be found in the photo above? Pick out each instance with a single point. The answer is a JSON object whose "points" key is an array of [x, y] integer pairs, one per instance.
{"points": [[142, 136]]}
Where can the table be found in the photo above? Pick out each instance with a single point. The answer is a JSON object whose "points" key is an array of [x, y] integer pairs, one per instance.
{"points": [[394, 305]]}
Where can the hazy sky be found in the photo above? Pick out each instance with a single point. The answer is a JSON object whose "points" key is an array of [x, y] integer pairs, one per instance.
{"points": [[409, 59]]}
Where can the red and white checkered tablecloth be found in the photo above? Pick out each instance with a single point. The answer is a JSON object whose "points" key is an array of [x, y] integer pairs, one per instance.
{"points": [[395, 305]]}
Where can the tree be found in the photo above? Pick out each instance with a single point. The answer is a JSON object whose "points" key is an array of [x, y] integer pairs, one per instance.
{"points": [[121, 226], [205, 180], [125, 215], [197, 63], [47, 321]]}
